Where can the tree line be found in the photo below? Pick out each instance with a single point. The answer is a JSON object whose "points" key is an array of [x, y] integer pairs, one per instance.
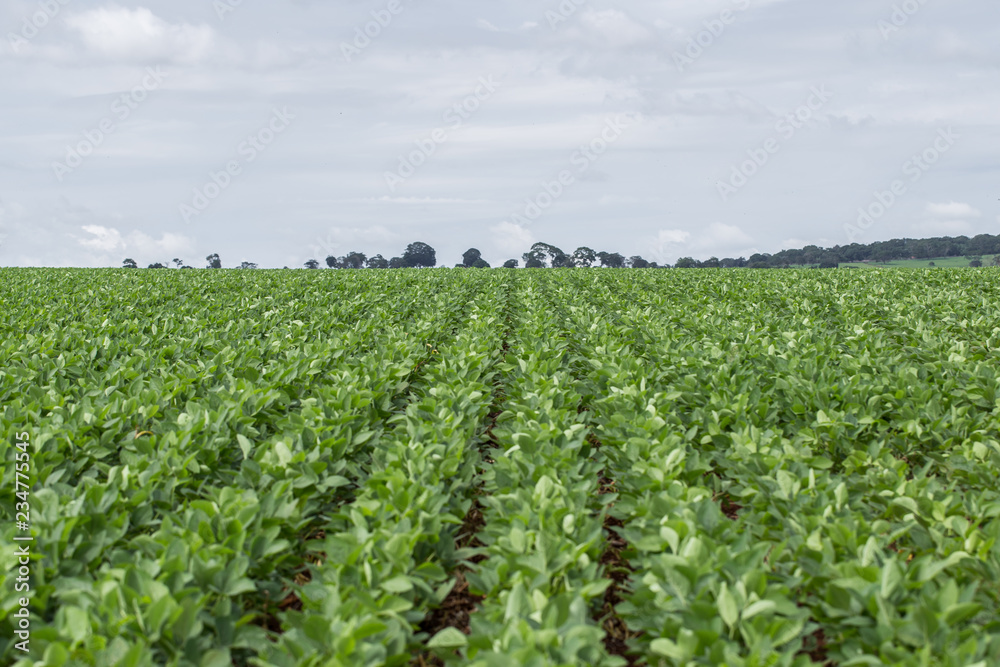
{"points": [[974, 249], [545, 255], [422, 255], [541, 255]]}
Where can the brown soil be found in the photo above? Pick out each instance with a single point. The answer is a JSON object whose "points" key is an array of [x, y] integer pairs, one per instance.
{"points": [[618, 570]]}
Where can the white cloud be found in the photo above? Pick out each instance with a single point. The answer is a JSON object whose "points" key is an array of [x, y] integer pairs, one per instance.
{"points": [[105, 239], [614, 27], [430, 200], [726, 236], [672, 236], [120, 33], [717, 239], [510, 237], [795, 244], [341, 240], [559, 85], [668, 245], [147, 246], [931, 228], [953, 210], [108, 241], [486, 25]]}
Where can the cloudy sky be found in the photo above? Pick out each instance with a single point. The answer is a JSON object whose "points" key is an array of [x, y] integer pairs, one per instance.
{"points": [[278, 131]]}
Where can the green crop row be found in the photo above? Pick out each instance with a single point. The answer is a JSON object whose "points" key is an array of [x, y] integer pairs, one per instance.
{"points": [[669, 468], [838, 545], [543, 514]]}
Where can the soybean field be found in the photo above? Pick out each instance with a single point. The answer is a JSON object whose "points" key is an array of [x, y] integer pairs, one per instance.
{"points": [[500, 468]]}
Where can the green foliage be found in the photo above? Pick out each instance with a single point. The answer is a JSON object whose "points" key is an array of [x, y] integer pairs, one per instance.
{"points": [[277, 468]]}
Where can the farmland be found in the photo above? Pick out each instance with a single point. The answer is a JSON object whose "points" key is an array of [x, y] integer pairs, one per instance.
{"points": [[492, 468], [935, 262]]}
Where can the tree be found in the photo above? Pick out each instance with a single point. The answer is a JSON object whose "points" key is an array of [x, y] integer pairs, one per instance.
{"points": [[996, 260], [157, 265], [561, 260], [637, 262], [378, 262], [247, 265], [829, 264], [534, 258], [510, 264], [481, 264], [397, 263], [984, 244], [354, 260], [612, 260], [710, 263], [976, 263], [470, 257], [312, 264], [687, 263], [213, 261], [178, 262], [558, 258], [420, 255], [333, 262], [129, 264], [584, 256]]}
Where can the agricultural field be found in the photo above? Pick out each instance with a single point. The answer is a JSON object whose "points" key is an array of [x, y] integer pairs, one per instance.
{"points": [[499, 467], [939, 263]]}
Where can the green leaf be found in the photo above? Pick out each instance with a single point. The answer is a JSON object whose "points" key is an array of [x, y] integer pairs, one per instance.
{"points": [[759, 607], [245, 446], [931, 570], [216, 658], [892, 577], [909, 504], [729, 611], [667, 648], [518, 604], [400, 584], [284, 453], [77, 624], [449, 638], [517, 540], [786, 482], [961, 612]]}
